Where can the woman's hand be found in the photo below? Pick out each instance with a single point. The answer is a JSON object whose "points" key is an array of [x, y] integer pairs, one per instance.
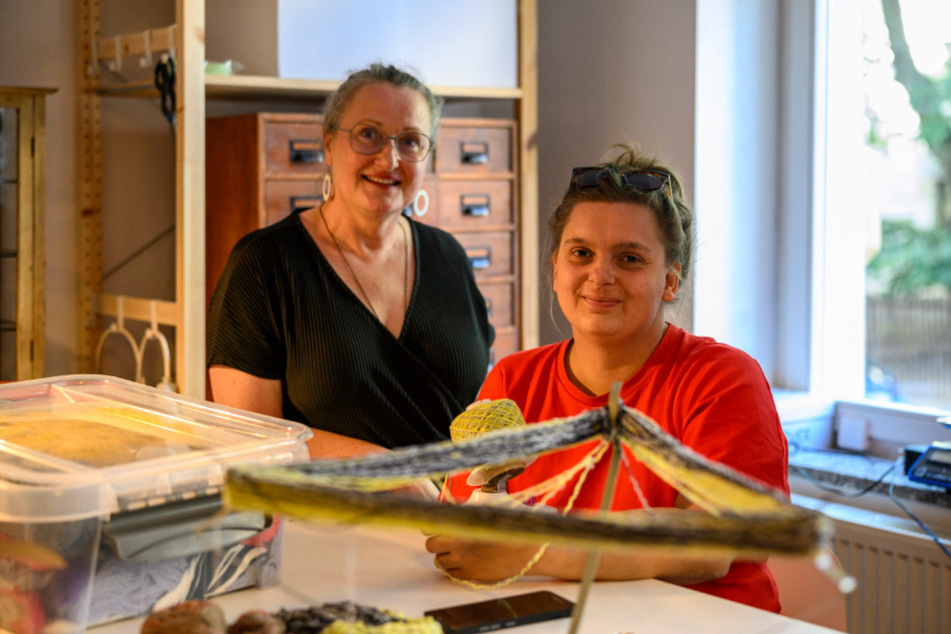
{"points": [[489, 562], [480, 561]]}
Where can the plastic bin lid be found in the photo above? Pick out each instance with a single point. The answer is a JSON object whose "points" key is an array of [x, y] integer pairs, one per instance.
{"points": [[81, 446]]}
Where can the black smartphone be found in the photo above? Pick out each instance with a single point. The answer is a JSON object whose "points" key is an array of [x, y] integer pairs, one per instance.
{"points": [[497, 614]]}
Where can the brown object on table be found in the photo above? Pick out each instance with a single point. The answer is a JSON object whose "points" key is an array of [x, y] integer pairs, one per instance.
{"points": [[196, 616], [257, 622]]}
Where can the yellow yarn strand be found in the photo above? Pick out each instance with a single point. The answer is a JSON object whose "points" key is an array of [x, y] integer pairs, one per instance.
{"points": [[589, 463], [498, 584], [556, 482]]}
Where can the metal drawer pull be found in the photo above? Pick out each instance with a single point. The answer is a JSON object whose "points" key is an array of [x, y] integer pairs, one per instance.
{"points": [[306, 151], [303, 203], [475, 205], [480, 257], [474, 153]]}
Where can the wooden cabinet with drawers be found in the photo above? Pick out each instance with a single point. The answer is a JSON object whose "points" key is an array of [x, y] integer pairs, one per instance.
{"points": [[475, 169], [261, 167]]}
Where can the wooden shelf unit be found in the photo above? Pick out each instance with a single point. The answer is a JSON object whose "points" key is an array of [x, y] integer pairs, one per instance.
{"points": [[185, 41]]}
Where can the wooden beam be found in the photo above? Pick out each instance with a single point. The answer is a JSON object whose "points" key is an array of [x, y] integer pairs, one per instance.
{"points": [[139, 309], [256, 87], [190, 198], [527, 115], [90, 188]]}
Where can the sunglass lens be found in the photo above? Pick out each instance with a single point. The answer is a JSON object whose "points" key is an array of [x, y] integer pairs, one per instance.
{"points": [[645, 181], [585, 177]]}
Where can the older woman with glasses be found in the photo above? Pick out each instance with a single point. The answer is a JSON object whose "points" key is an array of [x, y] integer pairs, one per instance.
{"points": [[621, 247], [351, 317]]}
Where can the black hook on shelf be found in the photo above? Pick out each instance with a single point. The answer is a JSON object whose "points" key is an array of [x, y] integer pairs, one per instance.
{"points": [[165, 82]]}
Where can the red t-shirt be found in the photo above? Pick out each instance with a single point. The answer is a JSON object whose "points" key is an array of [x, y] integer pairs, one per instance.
{"points": [[712, 397]]}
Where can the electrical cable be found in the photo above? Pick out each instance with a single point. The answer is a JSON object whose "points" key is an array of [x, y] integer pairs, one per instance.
{"points": [[854, 494], [795, 448], [844, 493], [924, 527]]}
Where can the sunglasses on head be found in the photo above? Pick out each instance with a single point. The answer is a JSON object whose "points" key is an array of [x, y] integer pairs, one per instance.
{"points": [[644, 180]]}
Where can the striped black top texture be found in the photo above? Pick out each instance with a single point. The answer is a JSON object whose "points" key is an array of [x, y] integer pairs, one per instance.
{"points": [[280, 311]]}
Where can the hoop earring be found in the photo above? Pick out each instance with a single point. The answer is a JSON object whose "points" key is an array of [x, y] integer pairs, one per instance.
{"points": [[418, 209], [327, 187]]}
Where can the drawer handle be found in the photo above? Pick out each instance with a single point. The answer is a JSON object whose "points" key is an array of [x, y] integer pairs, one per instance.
{"points": [[303, 203], [480, 257], [488, 307], [474, 153], [475, 205], [306, 151]]}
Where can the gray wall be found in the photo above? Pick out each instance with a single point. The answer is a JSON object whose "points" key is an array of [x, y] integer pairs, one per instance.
{"points": [[611, 71]]}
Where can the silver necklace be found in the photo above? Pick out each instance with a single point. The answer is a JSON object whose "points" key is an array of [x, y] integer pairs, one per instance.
{"points": [[346, 263]]}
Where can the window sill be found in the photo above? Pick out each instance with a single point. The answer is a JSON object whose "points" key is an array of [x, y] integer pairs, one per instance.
{"points": [[811, 472], [811, 421]]}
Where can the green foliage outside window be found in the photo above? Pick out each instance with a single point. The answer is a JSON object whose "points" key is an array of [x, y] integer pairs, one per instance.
{"points": [[912, 259]]}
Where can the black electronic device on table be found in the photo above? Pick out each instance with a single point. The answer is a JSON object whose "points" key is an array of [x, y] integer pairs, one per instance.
{"points": [[933, 466], [504, 612]]}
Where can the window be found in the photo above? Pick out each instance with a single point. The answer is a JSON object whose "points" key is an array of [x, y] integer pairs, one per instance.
{"points": [[781, 139], [906, 160]]}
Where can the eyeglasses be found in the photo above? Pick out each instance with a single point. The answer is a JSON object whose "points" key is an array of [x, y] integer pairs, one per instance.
{"points": [[369, 139], [644, 180]]}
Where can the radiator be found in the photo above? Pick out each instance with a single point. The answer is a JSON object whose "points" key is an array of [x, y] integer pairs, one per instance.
{"points": [[903, 578]]}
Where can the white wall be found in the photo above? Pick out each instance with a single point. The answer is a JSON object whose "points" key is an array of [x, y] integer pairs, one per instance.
{"points": [[738, 125], [611, 71]]}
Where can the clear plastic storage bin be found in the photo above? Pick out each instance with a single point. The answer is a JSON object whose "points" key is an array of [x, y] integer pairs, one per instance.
{"points": [[110, 501]]}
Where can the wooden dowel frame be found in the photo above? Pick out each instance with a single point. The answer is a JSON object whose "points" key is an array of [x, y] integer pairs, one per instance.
{"points": [[139, 309]]}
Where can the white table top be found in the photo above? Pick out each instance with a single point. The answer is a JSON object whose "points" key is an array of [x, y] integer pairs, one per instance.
{"points": [[391, 569]]}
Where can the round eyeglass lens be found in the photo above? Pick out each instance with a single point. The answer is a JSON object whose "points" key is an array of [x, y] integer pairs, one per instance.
{"points": [[412, 146], [368, 139]]}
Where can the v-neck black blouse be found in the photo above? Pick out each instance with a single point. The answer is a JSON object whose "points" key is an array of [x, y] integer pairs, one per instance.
{"points": [[280, 311]]}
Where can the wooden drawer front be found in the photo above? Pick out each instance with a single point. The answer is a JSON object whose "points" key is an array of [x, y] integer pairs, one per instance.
{"points": [[466, 204], [294, 148], [282, 197], [500, 302], [473, 149], [506, 342], [490, 252]]}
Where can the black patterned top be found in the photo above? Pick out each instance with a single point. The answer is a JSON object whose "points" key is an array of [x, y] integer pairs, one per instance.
{"points": [[280, 311]]}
